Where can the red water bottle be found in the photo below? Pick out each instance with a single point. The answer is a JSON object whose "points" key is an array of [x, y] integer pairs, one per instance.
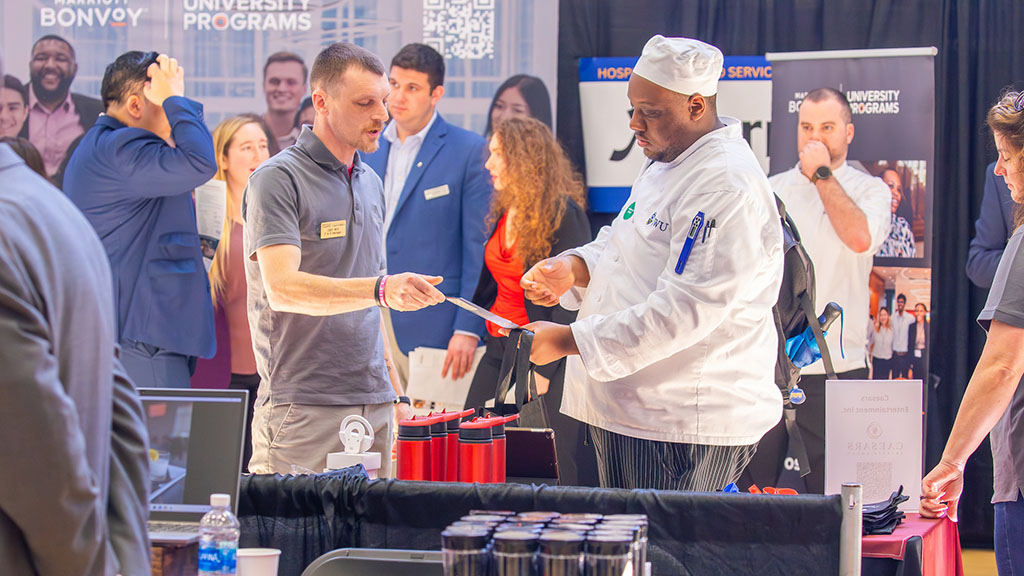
{"points": [[452, 444], [438, 447], [476, 451], [498, 437], [413, 448]]}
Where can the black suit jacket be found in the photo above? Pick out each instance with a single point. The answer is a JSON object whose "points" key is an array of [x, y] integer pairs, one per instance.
{"points": [[912, 336], [573, 232]]}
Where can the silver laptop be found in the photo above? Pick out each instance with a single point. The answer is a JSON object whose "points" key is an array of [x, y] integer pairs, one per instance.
{"points": [[195, 441]]}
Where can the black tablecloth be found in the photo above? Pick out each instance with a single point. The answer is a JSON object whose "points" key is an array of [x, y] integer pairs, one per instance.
{"points": [[691, 533]]}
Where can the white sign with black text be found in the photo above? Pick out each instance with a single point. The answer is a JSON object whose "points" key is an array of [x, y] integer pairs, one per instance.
{"points": [[873, 435]]}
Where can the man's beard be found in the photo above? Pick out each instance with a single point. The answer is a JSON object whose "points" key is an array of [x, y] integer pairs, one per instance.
{"points": [[371, 146], [669, 154], [51, 95]]}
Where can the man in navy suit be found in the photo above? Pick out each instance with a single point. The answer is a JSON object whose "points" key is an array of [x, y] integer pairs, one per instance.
{"points": [[992, 229], [135, 188], [437, 195]]}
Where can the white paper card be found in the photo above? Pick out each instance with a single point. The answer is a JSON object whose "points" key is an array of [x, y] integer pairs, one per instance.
{"points": [[873, 435], [211, 203], [426, 383]]}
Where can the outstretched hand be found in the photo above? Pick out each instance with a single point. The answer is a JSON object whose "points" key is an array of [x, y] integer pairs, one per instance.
{"points": [[406, 292]]}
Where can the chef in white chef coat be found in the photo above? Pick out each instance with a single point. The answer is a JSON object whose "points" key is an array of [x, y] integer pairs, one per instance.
{"points": [[672, 356]]}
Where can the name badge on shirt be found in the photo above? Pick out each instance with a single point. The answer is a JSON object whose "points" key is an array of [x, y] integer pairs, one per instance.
{"points": [[437, 192], [334, 229]]}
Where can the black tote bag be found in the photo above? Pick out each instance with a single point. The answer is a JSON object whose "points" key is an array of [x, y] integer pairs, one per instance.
{"points": [[516, 369]]}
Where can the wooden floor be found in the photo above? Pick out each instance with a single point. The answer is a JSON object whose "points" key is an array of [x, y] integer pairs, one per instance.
{"points": [[979, 563]]}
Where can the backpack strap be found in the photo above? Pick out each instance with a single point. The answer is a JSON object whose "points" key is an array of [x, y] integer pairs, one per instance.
{"points": [[819, 336], [796, 441]]}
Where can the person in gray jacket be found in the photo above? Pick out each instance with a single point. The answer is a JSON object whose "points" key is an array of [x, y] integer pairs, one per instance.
{"points": [[74, 496]]}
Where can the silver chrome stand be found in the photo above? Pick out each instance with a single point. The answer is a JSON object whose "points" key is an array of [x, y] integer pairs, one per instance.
{"points": [[850, 531]]}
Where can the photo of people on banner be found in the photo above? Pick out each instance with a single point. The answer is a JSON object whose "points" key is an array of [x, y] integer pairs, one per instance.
{"points": [[906, 180], [898, 338]]}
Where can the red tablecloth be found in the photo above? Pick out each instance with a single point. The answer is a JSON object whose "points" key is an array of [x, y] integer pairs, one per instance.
{"points": [[941, 544]]}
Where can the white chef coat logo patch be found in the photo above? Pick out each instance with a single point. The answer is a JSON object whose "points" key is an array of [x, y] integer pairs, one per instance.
{"points": [[659, 224]]}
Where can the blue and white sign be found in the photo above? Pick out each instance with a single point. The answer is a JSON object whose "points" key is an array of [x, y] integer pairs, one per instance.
{"points": [[612, 157]]}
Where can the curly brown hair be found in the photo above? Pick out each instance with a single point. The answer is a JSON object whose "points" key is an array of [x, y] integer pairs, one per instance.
{"points": [[537, 182]]}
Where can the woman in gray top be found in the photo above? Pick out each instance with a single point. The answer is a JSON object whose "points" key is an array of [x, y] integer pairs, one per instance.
{"points": [[994, 401]]}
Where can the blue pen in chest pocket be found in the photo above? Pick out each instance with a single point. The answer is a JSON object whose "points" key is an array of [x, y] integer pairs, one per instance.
{"points": [[691, 238]]}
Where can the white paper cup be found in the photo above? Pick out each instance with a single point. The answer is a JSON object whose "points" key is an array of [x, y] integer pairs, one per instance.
{"points": [[258, 561]]}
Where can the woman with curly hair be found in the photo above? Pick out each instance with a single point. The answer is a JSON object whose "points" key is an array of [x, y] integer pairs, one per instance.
{"points": [[536, 212]]}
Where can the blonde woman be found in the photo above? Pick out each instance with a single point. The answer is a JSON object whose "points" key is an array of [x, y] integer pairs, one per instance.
{"points": [[241, 144], [881, 346]]}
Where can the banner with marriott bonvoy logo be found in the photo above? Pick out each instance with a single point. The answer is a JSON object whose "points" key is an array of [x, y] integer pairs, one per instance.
{"points": [[223, 44], [892, 97], [613, 159]]}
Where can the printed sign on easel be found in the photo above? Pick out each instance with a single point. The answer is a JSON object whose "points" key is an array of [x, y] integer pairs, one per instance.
{"points": [[873, 435]]}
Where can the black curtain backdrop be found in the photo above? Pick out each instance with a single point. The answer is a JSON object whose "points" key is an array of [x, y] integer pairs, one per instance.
{"points": [[981, 52]]}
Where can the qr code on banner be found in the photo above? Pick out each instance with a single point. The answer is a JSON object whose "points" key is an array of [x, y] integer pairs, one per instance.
{"points": [[877, 480], [460, 28]]}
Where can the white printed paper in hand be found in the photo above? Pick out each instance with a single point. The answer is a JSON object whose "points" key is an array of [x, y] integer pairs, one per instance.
{"points": [[873, 435], [426, 383], [211, 203]]}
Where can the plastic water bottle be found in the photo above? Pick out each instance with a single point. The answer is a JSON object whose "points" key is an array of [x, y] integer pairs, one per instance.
{"points": [[218, 538]]}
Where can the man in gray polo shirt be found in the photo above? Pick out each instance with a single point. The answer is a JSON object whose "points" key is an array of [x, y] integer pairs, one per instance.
{"points": [[313, 220]]}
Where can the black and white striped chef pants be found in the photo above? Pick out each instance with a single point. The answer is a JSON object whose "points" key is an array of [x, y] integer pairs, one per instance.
{"points": [[627, 462]]}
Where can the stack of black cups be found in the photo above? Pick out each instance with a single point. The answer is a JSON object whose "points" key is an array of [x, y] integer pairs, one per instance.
{"points": [[502, 543]]}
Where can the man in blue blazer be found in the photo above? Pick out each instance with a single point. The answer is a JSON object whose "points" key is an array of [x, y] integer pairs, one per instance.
{"points": [[993, 228], [135, 188], [437, 195]]}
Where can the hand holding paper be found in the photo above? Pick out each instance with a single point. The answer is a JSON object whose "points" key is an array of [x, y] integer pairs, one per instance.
{"points": [[407, 291]]}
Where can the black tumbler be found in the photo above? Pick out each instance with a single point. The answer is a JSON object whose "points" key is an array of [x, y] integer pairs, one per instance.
{"points": [[561, 553], [514, 553], [638, 528], [466, 551], [608, 554]]}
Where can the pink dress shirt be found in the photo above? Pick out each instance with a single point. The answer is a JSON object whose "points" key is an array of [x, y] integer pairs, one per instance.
{"points": [[51, 132]]}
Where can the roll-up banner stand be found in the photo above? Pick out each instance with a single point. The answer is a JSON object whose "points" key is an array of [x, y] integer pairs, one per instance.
{"points": [[892, 97], [612, 157]]}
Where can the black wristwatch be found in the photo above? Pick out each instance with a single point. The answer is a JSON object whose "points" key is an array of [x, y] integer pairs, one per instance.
{"points": [[403, 400], [822, 173]]}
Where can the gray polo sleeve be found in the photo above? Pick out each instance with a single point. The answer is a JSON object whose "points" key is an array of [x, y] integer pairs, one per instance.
{"points": [[1006, 298], [271, 210]]}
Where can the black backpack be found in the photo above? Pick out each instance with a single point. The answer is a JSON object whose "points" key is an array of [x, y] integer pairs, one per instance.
{"points": [[794, 312]]}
